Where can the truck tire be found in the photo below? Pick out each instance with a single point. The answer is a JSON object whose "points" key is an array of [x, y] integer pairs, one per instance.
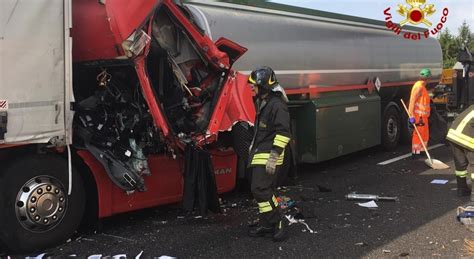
{"points": [[391, 128], [36, 211]]}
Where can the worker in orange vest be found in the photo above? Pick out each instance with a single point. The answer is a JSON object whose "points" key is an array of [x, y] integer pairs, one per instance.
{"points": [[419, 110]]}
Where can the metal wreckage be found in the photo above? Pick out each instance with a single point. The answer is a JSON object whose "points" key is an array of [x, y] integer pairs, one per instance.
{"points": [[172, 95], [149, 117]]}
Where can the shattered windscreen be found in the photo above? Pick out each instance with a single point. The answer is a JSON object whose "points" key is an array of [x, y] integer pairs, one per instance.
{"points": [[182, 80]]}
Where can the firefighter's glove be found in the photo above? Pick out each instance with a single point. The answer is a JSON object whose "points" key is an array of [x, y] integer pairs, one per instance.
{"points": [[270, 167]]}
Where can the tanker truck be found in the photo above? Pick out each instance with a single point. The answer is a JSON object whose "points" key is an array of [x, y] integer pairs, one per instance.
{"points": [[99, 101], [344, 75]]}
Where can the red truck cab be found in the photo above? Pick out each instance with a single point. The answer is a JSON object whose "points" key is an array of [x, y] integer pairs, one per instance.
{"points": [[147, 82]]}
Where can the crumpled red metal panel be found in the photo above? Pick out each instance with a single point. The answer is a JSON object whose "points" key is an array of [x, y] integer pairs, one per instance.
{"points": [[235, 104], [99, 30], [126, 16]]}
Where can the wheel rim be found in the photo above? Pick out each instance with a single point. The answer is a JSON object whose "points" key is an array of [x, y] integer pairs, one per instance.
{"points": [[392, 129], [41, 204]]}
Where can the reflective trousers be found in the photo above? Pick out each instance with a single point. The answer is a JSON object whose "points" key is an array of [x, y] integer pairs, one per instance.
{"points": [[416, 146], [263, 186], [461, 161]]}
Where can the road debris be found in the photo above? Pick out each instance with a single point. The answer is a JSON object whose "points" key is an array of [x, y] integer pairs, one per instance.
{"points": [[370, 204], [292, 221], [404, 254], [465, 215], [469, 246], [119, 237], [40, 256], [358, 196], [285, 202], [439, 181], [361, 244], [386, 251]]}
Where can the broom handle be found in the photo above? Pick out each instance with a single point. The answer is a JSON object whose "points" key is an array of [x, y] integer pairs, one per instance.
{"points": [[417, 132]]}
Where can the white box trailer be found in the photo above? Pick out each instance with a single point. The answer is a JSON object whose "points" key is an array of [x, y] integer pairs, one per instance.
{"points": [[35, 72]]}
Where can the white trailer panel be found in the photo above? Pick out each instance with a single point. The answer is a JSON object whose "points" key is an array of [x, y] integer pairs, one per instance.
{"points": [[34, 77]]}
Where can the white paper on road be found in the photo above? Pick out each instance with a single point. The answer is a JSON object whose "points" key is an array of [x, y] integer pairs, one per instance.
{"points": [[36, 257], [438, 181], [370, 204], [139, 255]]}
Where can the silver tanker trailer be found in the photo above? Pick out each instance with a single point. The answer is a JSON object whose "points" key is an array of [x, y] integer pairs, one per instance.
{"points": [[344, 75]]}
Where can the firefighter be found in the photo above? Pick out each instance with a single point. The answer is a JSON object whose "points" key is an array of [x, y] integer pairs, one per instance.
{"points": [[419, 110], [272, 134], [461, 138]]}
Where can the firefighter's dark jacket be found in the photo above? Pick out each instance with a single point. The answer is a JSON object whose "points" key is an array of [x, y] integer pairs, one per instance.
{"points": [[462, 129], [272, 130]]}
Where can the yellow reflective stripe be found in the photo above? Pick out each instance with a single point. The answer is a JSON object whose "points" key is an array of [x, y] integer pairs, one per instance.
{"points": [[270, 81], [262, 158], [251, 80], [264, 207], [472, 176], [275, 201], [258, 162], [282, 138], [464, 121], [461, 174], [461, 138], [264, 162], [279, 143], [262, 155]]}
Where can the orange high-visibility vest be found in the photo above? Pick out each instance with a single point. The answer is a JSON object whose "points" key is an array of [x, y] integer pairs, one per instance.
{"points": [[420, 109], [419, 101]]}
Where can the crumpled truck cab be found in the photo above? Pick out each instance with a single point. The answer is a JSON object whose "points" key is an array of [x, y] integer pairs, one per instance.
{"points": [[148, 81]]}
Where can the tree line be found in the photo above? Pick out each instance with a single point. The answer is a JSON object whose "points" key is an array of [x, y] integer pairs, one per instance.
{"points": [[451, 44]]}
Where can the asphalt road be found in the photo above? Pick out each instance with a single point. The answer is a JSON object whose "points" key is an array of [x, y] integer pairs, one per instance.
{"points": [[421, 224]]}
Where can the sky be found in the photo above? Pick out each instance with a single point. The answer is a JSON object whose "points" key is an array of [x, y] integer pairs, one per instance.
{"points": [[459, 10]]}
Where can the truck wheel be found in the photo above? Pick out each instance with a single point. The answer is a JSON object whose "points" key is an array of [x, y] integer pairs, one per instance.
{"points": [[391, 128], [36, 211]]}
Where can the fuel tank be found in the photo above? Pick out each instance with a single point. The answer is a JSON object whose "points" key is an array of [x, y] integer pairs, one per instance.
{"points": [[318, 48]]}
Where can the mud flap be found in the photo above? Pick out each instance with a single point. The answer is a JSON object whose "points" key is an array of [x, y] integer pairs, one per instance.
{"points": [[3, 125], [438, 127], [200, 187]]}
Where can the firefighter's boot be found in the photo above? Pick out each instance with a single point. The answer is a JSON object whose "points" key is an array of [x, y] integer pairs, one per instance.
{"points": [[463, 189], [281, 231], [260, 231]]}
